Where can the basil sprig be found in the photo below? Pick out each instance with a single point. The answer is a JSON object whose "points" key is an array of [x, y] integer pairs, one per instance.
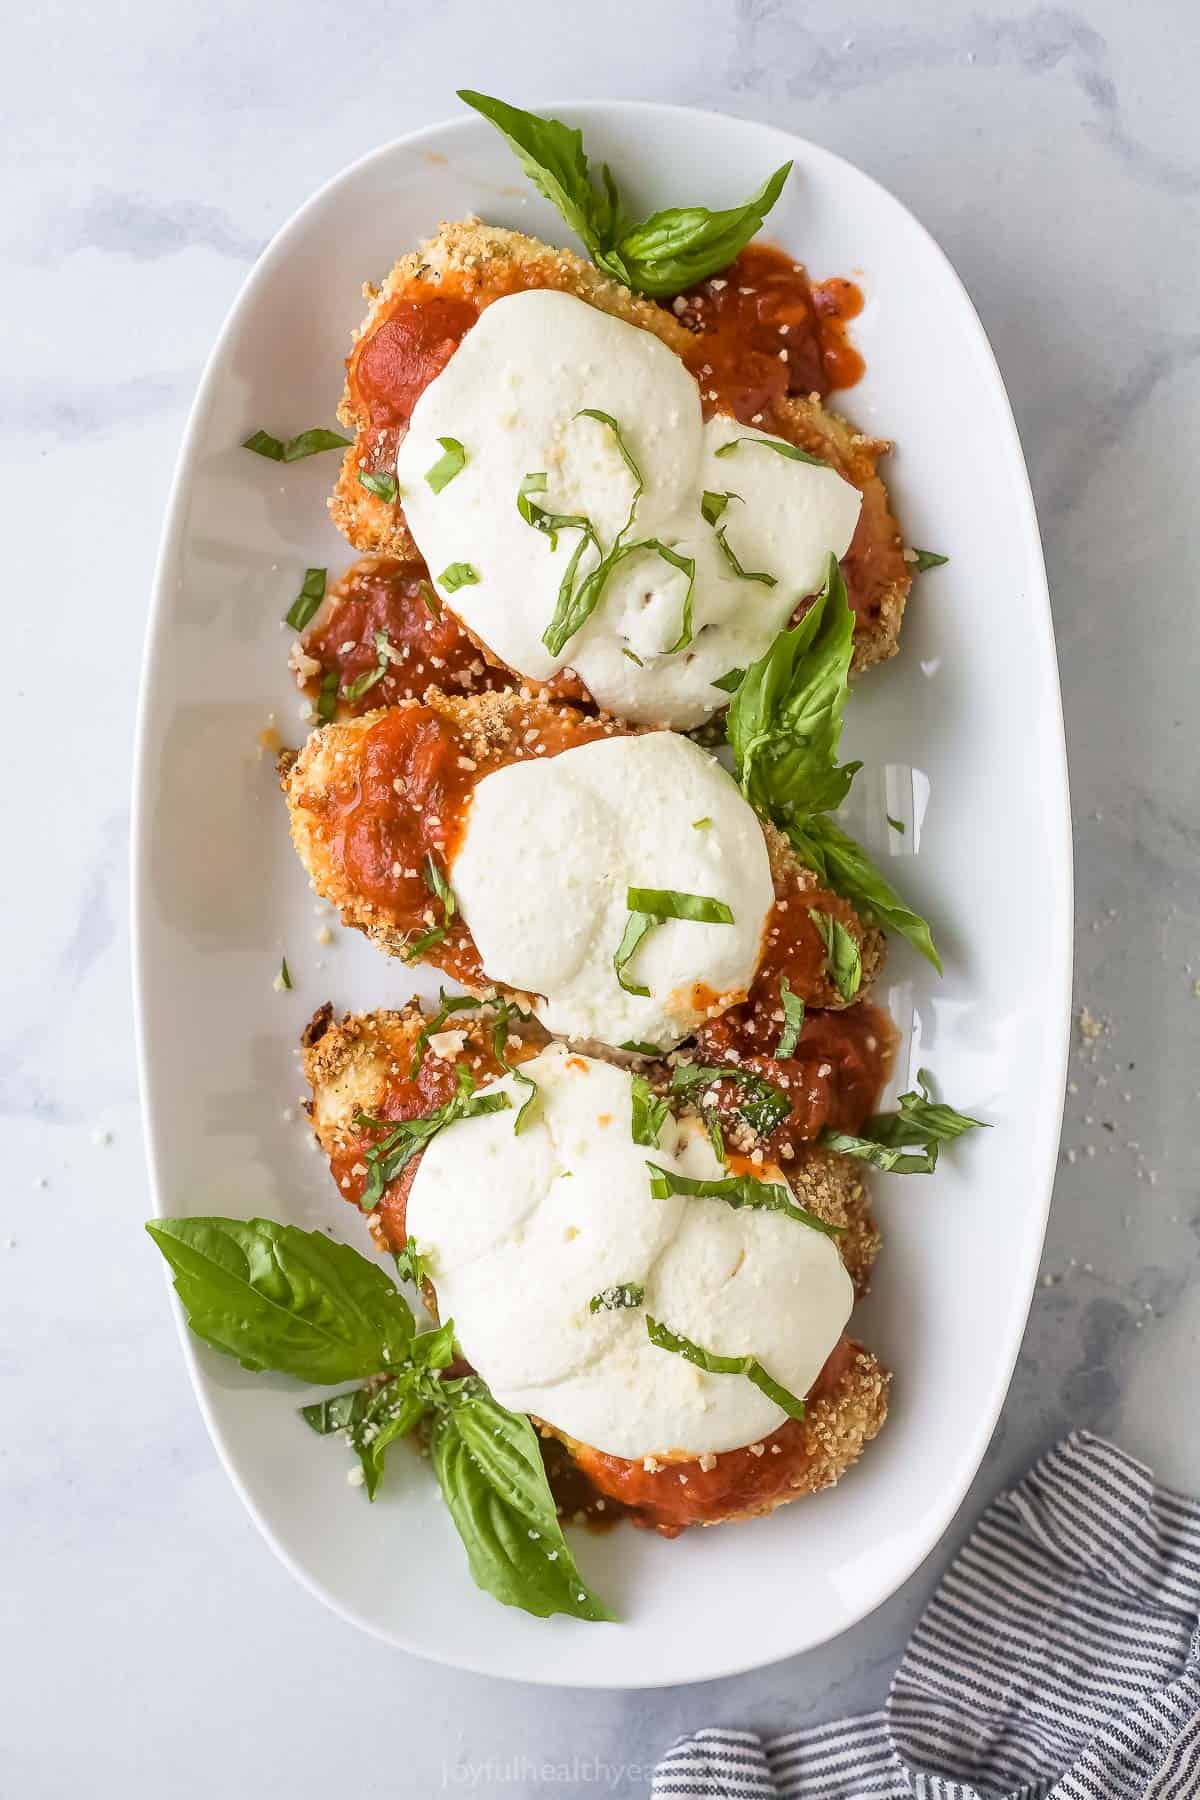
{"points": [[905, 1142], [737, 1191], [793, 1018], [296, 1303], [784, 725], [382, 484], [763, 1105], [390, 1155], [843, 960], [667, 252], [621, 1294], [844, 866], [307, 600], [441, 890], [308, 443], [452, 462], [650, 1113], [665, 1339]]}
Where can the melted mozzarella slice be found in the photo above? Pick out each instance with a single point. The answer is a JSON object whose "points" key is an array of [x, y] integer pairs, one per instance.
{"points": [[520, 1233], [512, 395], [549, 851]]}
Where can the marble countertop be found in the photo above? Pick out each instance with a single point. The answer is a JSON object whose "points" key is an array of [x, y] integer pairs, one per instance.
{"points": [[1053, 152]]}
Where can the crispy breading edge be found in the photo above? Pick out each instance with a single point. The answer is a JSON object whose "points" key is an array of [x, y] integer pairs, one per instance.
{"points": [[466, 248]]}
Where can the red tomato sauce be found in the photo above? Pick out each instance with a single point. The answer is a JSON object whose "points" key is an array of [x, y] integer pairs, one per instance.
{"points": [[428, 648]]}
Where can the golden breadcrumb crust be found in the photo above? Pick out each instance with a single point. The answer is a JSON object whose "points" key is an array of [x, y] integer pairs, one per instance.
{"points": [[494, 727], [485, 262]]}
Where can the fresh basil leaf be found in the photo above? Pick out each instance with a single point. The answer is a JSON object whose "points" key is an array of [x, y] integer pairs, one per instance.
{"points": [[283, 1299], [441, 890], [340, 1412], [307, 444], [363, 683], [433, 605], [676, 248], [384, 484], [843, 961], [713, 505], [918, 1121], [667, 903], [622, 1294], [388, 1158], [434, 1349], [730, 682], [491, 1474], [793, 1018], [447, 1005], [650, 1113], [763, 1105], [665, 1339], [327, 698], [639, 1049], [927, 559], [738, 1191], [785, 721], [452, 462], [552, 156], [307, 600], [284, 980], [780, 447], [845, 867], [456, 575], [636, 927]]}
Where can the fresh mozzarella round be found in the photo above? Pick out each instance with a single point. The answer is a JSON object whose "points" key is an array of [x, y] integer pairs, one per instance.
{"points": [[513, 394], [549, 851], [520, 1233]]}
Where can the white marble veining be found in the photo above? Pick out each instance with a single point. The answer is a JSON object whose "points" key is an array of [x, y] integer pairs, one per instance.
{"points": [[154, 1645]]}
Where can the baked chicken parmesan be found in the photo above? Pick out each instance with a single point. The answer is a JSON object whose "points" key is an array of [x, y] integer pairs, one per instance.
{"points": [[617, 878], [594, 480], [688, 1347]]}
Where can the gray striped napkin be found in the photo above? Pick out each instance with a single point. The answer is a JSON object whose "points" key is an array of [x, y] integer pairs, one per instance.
{"points": [[1058, 1660]]}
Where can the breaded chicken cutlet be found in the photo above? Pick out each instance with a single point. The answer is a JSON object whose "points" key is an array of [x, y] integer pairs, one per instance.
{"points": [[390, 1066], [372, 799], [433, 296]]}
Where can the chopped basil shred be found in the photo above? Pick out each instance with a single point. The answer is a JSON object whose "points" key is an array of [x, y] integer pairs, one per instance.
{"points": [[701, 824], [668, 903], [713, 505], [410, 1264], [636, 927], [763, 1105], [906, 1142], [731, 558], [456, 575], [308, 443], [384, 484], [650, 1113], [793, 1018], [738, 1191], [621, 1294], [447, 1005], [927, 559], [307, 600], [363, 683], [528, 1110], [452, 462], [639, 1049], [843, 962], [428, 593], [327, 698], [441, 890], [391, 1155], [665, 1339], [283, 980], [633, 657], [896, 824], [778, 445], [730, 682]]}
